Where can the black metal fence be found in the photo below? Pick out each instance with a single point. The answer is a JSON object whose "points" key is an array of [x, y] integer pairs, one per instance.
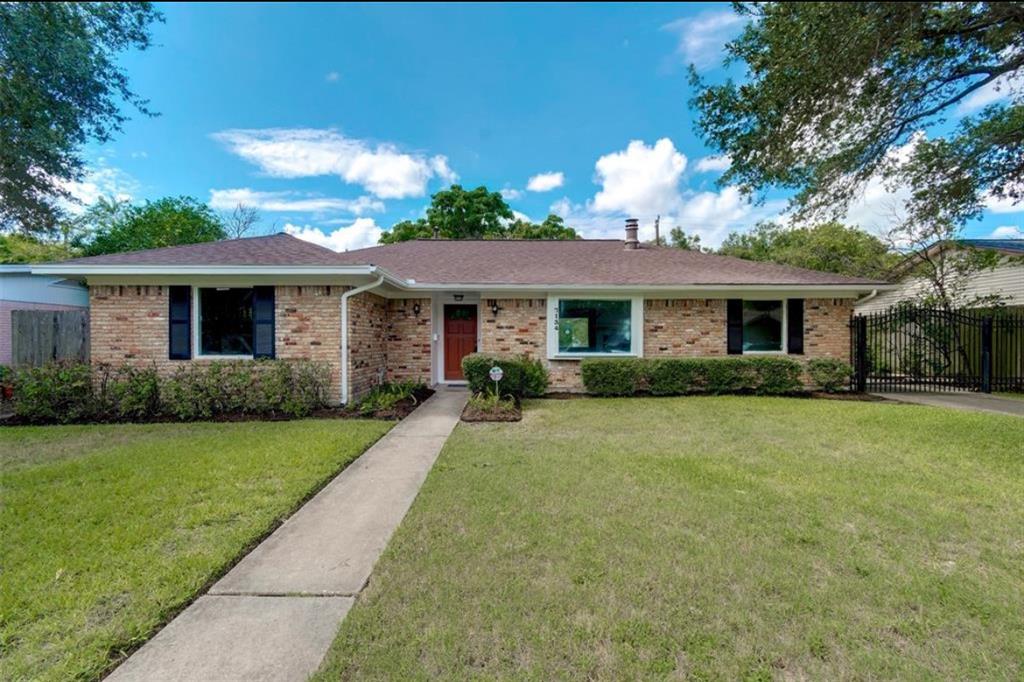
{"points": [[912, 348]]}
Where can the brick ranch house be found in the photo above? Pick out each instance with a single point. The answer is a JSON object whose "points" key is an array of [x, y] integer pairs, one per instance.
{"points": [[413, 310]]}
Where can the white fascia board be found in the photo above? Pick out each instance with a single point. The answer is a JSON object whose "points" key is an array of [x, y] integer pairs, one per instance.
{"points": [[217, 270]]}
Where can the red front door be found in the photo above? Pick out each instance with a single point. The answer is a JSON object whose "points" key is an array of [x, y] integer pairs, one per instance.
{"points": [[459, 338]]}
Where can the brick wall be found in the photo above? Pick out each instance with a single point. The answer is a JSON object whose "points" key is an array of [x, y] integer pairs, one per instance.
{"points": [[307, 326], [128, 325], [409, 340], [684, 327], [826, 328], [367, 342], [520, 328]]}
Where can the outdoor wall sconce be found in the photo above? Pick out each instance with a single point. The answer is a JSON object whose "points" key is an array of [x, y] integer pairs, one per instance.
{"points": [[494, 308], [416, 309], [457, 297]]}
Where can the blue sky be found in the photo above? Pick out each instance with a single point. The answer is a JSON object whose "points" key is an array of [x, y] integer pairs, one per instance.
{"points": [[337, 121]]}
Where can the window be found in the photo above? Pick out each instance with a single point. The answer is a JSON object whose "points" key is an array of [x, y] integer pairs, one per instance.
{"points": [[763, 326], [225, 321], [593, 327]]}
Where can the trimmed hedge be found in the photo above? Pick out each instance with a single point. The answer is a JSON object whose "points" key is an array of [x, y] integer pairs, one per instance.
{"points": [[66, 393], [524, 378], [682, 376], [830, 374]]}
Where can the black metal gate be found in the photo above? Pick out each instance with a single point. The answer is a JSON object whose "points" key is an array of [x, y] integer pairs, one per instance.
{"points": [[912, 348]]}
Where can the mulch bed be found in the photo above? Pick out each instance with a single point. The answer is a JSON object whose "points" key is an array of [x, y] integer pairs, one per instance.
{"points": [[401, 410]]}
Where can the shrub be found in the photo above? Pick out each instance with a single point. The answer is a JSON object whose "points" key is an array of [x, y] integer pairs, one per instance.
{"points": [[681, 376], [523, 377], [6, 382], [128, 393], [612, 377], [490, 404], [829, 373], [58, 392], [384, 397]]}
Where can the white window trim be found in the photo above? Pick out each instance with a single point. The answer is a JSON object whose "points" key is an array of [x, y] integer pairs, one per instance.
{"points": [[636, 332], [197, 353], [785, 328]]}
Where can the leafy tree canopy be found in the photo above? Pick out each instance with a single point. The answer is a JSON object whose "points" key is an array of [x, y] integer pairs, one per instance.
{"points": [[834, 90], [681, 240], [457, 213], [829, 247], [172, 221], [60, 86], [23, 248]]}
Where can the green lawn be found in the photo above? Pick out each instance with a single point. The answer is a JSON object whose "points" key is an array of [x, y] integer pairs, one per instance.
{"points": [[706, 538], [107, 531]]}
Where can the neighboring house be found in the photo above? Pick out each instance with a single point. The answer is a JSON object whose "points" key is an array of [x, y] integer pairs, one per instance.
{"points": [[22, 290], [413, 310], [1006, 279]]}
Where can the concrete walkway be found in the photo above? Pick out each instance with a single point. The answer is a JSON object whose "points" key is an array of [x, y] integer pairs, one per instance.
{"points": [[976, 402], [274, 615]]}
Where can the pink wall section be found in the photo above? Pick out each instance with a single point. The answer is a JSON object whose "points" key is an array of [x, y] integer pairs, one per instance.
{"points": [[5, 322]]}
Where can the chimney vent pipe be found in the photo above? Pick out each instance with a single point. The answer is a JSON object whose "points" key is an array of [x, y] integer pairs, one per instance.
{"points": [[632, 227]]}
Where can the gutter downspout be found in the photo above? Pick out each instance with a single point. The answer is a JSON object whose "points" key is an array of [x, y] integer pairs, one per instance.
{"points": [[874, 292], [344, 333]]}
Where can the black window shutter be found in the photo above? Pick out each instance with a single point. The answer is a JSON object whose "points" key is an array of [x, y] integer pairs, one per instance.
{"points": [[179, 316], [795, 326], [263, 322], [734, 326]]}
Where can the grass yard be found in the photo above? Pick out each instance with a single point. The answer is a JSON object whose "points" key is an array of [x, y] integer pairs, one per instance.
{"points": [[706, 538], [106, 531]]}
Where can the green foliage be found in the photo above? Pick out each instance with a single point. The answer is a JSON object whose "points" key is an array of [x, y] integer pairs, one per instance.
{"points": [[607, 377], [553, 227], [681, 240], [492, 404], [829, 373], [829, 247], [385, 397], [171, 221], [523, 377], [837, 94], [56, 393], [75, 392], [760, 375], [23, 248], [61, 85], [457, 213]]}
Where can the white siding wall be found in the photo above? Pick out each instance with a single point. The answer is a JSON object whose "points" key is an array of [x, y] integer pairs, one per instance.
{"points": [[1006, 280]]}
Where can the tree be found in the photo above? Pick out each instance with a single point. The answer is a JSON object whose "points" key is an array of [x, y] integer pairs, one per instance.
{"points": [[25, 248], [60, 86], [241, 220], [829, 247], [172, 221], [837, 94], [681, 240], [553, 227], [457, 213]]}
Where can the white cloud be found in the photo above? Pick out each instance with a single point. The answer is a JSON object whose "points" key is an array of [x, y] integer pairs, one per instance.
{"points": [[545, 182], [382, 170], [1007, 232], [332, 77], [1004, 87], [640, 180], [227, 199], [713, 164], [362, 232], [99, 180], [702, 37], [511, 194], [1002, 204], [518, 215]]}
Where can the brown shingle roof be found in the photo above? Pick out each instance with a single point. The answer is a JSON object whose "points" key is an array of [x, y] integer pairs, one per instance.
{"points": [[580, 262], [275, 249], [469, 262]]}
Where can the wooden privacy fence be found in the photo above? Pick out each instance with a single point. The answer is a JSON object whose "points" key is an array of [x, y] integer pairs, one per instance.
{"points": [[42, 336]]}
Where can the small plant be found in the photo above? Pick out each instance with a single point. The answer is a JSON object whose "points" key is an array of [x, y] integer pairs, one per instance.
{"points": [[385, 397], [6, 383], [829, 373], [491, 403]]}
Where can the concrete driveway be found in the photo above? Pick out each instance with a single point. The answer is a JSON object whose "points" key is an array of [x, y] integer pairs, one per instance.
{"points": [[275, 614], [976, 402]]}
